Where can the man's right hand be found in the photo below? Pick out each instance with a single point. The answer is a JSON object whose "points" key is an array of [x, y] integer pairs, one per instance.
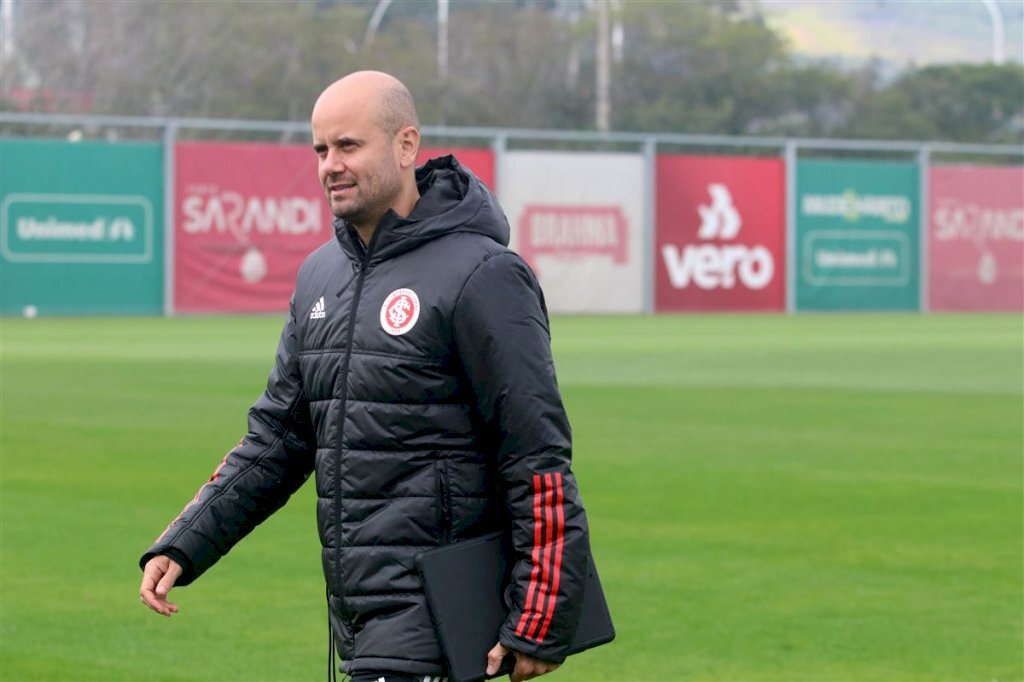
{"points": [[157, 580]]}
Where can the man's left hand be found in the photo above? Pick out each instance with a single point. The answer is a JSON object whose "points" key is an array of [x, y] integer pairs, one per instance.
{"points": [[527, 667]]}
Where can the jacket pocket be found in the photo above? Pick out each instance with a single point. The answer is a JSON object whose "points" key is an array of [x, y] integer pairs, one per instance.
{"points": [[444, 501]]}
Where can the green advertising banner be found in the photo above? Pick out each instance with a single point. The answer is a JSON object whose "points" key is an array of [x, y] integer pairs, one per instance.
{"points": [[857, 236], [81, 228]]}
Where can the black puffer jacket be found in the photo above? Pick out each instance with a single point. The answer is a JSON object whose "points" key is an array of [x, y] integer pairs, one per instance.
{"points": [[415, 376]]}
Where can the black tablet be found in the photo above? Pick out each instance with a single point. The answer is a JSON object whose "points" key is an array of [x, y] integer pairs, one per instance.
{"points": [[465, 585]]}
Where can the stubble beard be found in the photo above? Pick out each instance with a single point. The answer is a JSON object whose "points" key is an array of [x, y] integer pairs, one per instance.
{"points": [[362, 210]]}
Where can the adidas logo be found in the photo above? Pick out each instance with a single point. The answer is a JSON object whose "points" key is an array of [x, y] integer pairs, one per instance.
{"points": [[318, 312]]}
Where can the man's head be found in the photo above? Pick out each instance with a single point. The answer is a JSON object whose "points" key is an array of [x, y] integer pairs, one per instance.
{"points": [[366, 135]]}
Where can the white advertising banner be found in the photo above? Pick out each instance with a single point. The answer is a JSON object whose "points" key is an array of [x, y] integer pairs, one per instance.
{"points": [[577, 219]]}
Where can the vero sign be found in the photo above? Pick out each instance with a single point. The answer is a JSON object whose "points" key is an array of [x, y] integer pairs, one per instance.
{"points": [[719, 234]]}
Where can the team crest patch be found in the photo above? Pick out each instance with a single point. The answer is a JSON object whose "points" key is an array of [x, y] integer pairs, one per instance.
{"points": [[400, 311]]}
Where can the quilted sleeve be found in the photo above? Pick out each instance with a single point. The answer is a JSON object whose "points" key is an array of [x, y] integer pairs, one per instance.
{"points": [[501, 334], [255, 478]]}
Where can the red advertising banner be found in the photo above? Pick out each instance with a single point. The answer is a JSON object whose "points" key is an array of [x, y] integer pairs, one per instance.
{"points": [[719, 234], [976, 238], [478, 160], [247, 215]]}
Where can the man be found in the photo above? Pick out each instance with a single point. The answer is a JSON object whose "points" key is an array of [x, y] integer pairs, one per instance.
{"points": [[414, 375]]}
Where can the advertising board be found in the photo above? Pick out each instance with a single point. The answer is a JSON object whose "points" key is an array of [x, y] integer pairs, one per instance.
{"points": [[577, 218], [857, 227], [976, 238], [720, 234], [82, 236]]}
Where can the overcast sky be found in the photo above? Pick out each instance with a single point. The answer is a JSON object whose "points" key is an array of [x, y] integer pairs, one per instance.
{"points": [[902, 31]]}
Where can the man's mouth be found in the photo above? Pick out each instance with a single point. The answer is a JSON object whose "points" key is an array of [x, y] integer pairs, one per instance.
{"points": [[340, 187]]}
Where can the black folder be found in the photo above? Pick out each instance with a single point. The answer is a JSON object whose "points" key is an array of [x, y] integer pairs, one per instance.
{"points": [[465, 585]]}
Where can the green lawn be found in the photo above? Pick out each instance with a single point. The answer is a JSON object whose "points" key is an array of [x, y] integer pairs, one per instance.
{"points": [[813, 497]]}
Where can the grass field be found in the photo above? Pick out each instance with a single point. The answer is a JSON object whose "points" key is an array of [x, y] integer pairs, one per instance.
{"points": [[817, 497]]}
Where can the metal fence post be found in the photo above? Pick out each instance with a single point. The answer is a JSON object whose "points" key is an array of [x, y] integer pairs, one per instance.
{"points": [[923, 163], [791, 158], [499, 145], [649, 261], [170, 136]]}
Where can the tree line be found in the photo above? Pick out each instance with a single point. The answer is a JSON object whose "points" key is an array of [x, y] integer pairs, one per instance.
{"points": [[702, 67]]}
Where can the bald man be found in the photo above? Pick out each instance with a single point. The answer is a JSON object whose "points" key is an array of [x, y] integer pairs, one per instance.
{"points": [[414, 376]]}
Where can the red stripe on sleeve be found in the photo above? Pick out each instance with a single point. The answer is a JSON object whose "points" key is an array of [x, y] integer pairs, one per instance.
{"points": [[559, 543], [544, 589], [535, 572]]}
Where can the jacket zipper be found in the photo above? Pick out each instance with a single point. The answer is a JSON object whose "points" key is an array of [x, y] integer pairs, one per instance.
{"points": [[444, 494], [363, 267]]}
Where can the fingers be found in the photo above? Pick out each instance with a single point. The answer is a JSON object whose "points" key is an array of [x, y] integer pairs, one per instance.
{"points": [[494, 657], [158, 578], [528, 668], [170, 577]]}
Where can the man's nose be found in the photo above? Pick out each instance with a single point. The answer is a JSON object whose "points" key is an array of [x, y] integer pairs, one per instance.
{"points": [[333, 163]]}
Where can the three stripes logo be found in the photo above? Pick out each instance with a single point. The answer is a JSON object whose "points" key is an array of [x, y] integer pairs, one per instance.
{"points": [[319, 311], [548, 537]]}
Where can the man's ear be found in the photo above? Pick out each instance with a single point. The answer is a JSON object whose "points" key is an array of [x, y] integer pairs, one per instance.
{"points": [[408, 141]]}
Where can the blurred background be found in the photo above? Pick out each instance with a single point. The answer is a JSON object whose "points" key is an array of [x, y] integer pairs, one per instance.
{"points": [[888, 69], [782, 243], [586, 118]]}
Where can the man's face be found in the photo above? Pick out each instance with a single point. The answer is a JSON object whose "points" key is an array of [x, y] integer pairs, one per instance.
{"points": [[358, 165]]}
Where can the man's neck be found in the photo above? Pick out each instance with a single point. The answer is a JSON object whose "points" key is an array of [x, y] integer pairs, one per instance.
{"points": [[365, 233], [403, 207]]}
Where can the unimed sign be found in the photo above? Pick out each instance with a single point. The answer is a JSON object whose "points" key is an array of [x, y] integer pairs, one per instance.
{"points": [[81, 228], [720, 234], [857, 244], [976, 238]]}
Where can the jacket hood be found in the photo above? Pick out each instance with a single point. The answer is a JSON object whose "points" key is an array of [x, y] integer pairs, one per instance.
{"points": [[452, 199]]}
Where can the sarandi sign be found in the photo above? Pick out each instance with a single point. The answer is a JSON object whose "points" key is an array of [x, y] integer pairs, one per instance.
{"points": [[246, 216], [976, 238]]}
